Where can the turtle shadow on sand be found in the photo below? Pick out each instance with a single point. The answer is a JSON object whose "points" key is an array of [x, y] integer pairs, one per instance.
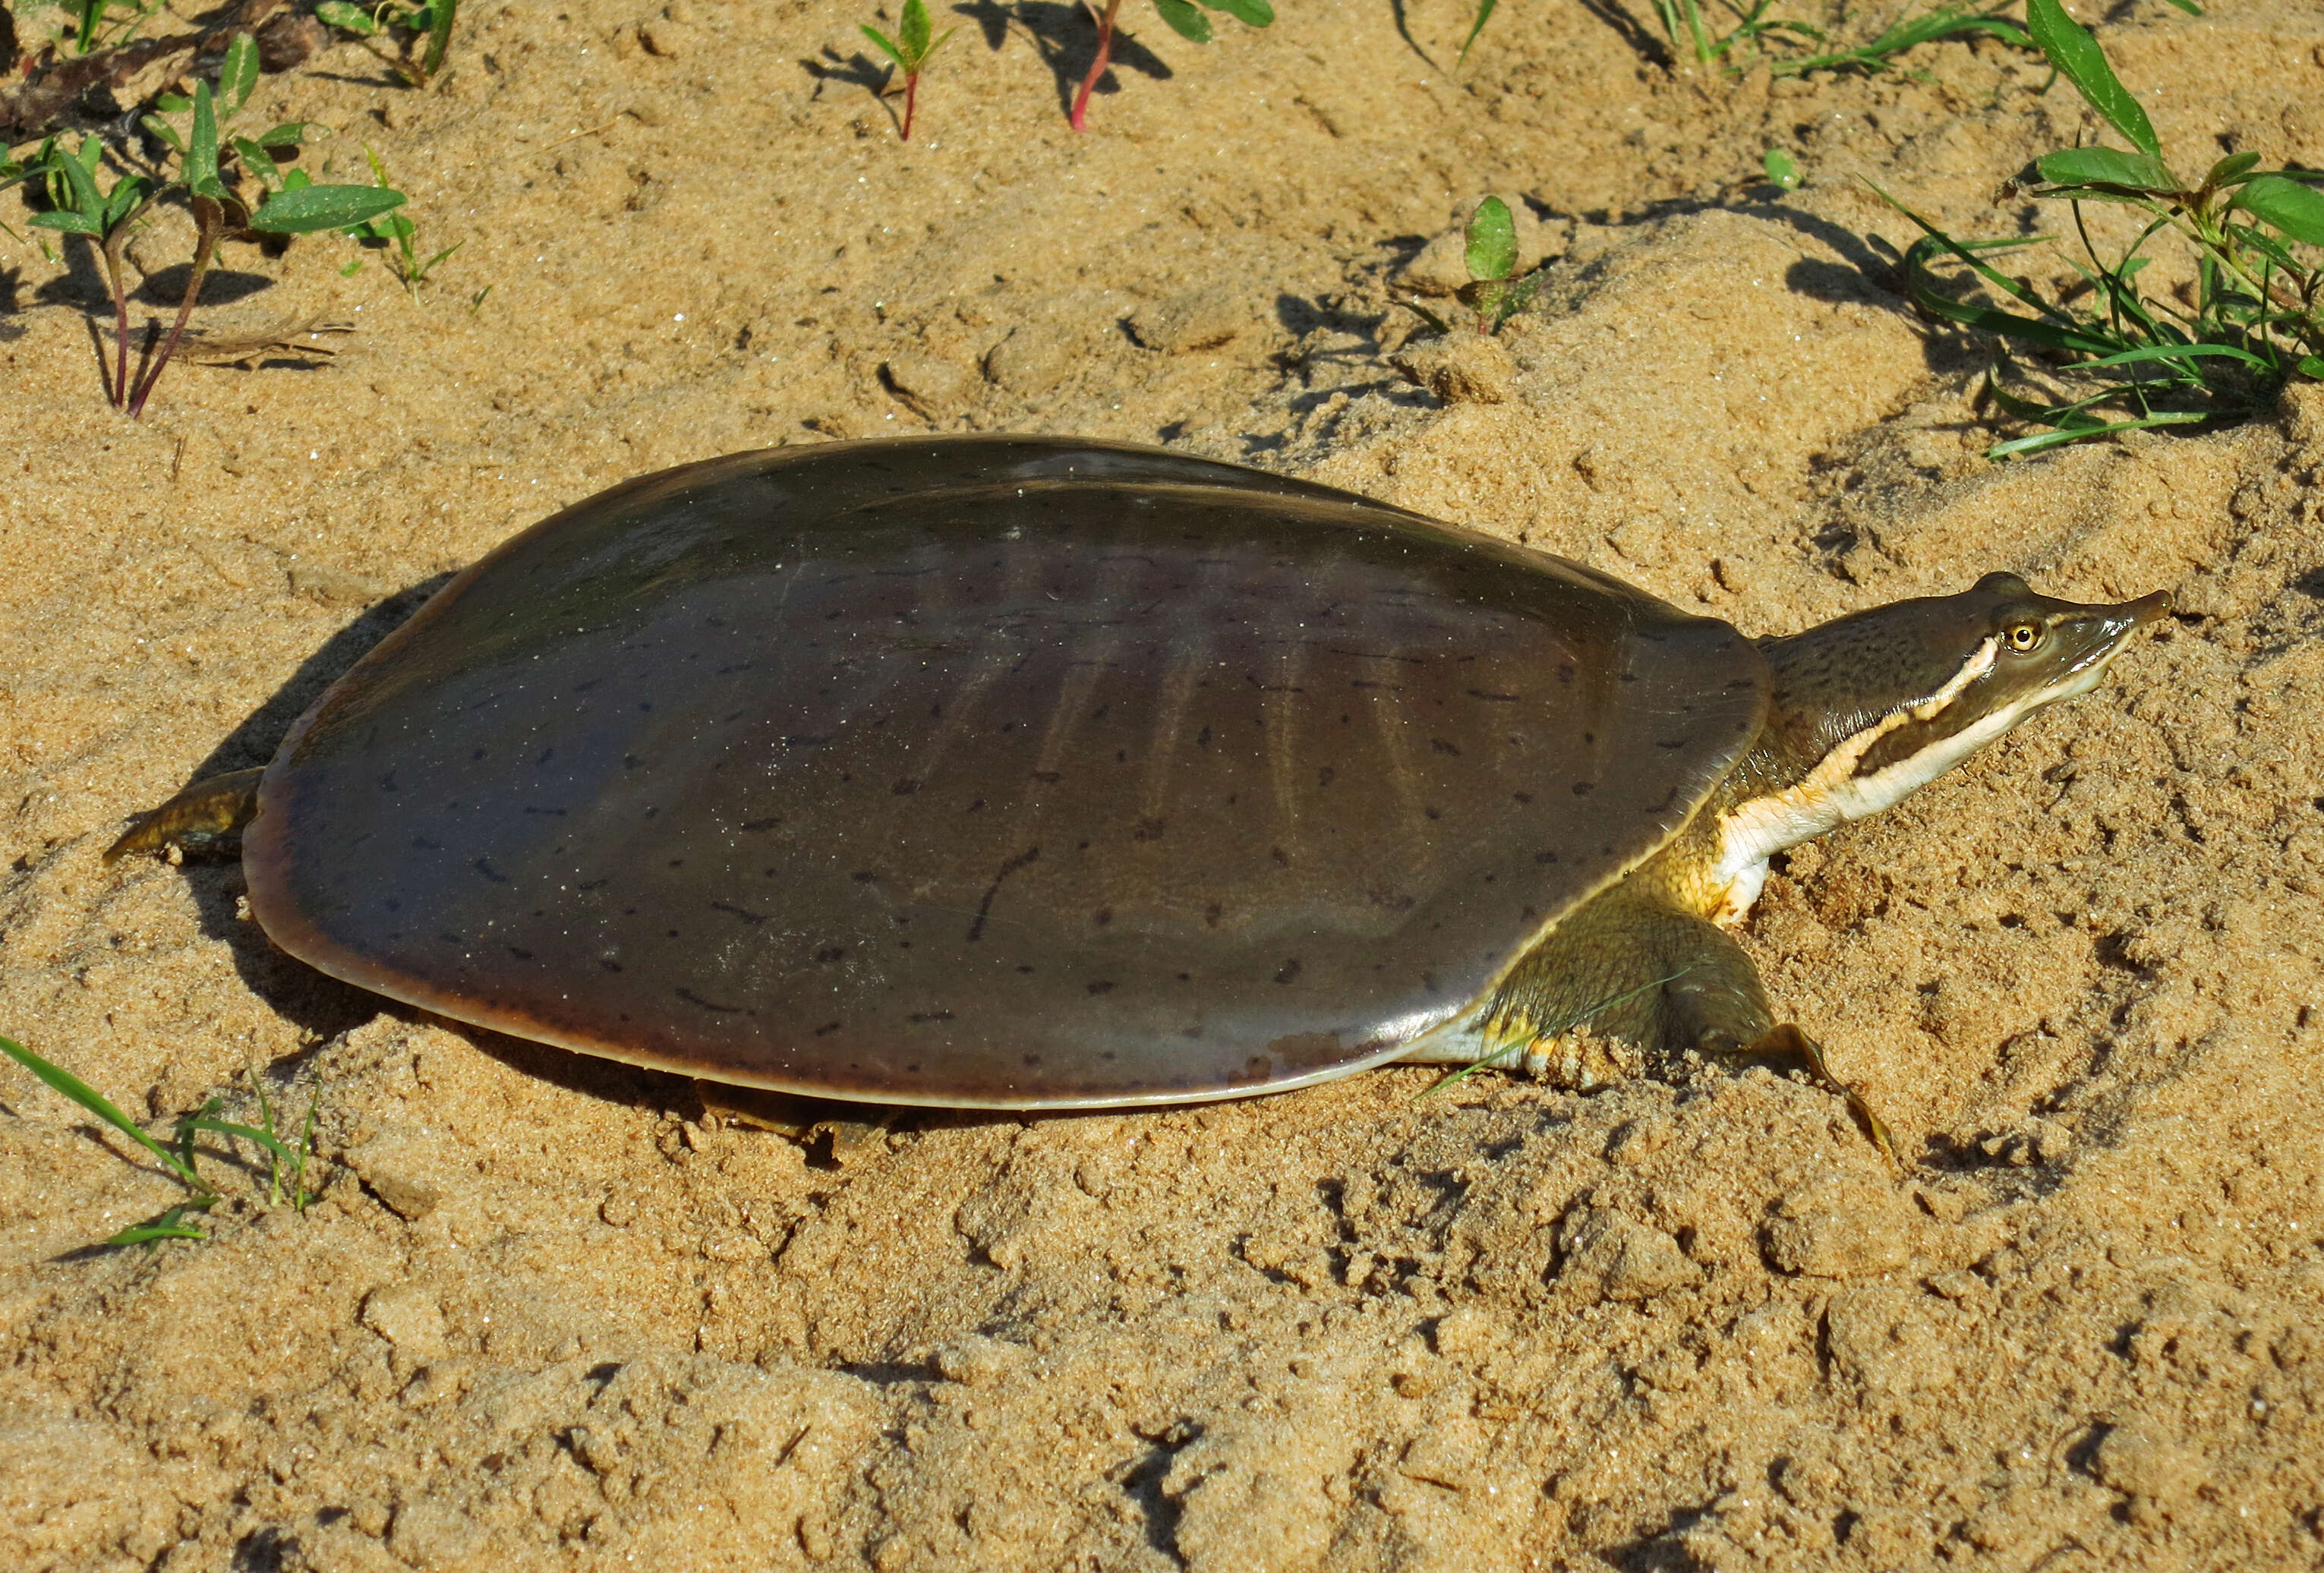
{"points": [[296, 991]]}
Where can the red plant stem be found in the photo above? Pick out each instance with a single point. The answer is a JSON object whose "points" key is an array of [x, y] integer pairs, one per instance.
{"points": [[912, 99], [1080, 116], [211, 219]]}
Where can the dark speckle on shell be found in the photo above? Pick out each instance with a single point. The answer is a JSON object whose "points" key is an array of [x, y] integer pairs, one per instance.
{"points": [[987, 771]]}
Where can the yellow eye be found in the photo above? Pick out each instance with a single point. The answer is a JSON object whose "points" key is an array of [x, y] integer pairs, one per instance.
{"points": [[2024, 636]]}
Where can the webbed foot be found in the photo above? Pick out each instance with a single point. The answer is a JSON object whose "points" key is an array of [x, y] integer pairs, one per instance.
{"points": [[208, 815], [1787, 1042]]}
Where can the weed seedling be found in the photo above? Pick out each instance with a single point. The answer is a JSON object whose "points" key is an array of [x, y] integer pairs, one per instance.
{"points": [[1752, 33], [105, 216], [1782, 170], [1185, 19], [427, 27], [1492, 257], [2253, 321], [284, 1159], [910, 50], [292, 203], [396, 230]]}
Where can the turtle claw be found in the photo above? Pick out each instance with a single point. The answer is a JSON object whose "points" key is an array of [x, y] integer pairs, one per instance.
{"points": [[206, 814], [1787, 1042]]}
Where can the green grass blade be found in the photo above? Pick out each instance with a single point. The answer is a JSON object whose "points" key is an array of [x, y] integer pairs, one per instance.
{"points": [[2171, 352], [1484, 15], [79, 1091], [2018, 447], [2078, 58], [170, 1225], [298, 1198], [266, 1141]]}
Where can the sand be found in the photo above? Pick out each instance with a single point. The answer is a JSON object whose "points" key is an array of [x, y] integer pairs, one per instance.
{"points": [[554, 1313]]}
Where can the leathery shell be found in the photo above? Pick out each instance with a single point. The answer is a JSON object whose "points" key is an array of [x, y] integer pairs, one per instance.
{"points": [[1001, 772]]}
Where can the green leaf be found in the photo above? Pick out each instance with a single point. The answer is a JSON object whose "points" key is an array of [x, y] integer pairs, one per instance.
{"points": [[261, 168], [2078, 60], [170, 1225], [201, 166], [66, 221], [80, 179], [1492, 240], [73, 1087], [127, 196], [289, 133], [172, 103], [1426, 316], [305, 209], [879, 42], [2017, 446], [2230, 168], [1185, 21], [2296, 209], [161, 131], [297, 180], [1484, 15], [2312, 366], [439, 35], [2105, 166], [1782, 170], [2171, 352], [237, 75], [1260, 14], [913, 32], [353, 18]]}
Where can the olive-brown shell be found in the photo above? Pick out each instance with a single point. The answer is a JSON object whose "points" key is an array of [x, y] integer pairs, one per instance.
{"points": [[1003, 772]]}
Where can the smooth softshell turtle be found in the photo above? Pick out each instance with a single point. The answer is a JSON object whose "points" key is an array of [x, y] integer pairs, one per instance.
{"points": [[1013, 772]]}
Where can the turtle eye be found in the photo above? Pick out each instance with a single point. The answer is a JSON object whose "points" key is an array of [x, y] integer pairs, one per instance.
{"points": [[2022, 637]]}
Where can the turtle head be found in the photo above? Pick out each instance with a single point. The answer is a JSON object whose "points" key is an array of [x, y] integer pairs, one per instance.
{"points": [[1870, 706]]}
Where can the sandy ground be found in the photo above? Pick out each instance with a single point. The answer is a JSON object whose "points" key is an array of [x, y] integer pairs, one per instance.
{"points": [[554, 1312]]}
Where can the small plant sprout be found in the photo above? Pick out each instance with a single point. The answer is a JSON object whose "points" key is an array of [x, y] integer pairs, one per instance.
{"points": [[105, 216], [2250, 320], [103, 23], [1752, 33], [1185, 19], [1492, 257], [285, 1160], [427, 26], [291, 203], [910, 50], [396, 230], [1782, 170]]}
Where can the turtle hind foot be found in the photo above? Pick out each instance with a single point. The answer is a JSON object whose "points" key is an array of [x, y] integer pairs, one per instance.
{"points": [[206, 816], [1787, 1042]]}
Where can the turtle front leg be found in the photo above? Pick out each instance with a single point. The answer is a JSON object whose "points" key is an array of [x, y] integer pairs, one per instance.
{"points": [[205, 816], [1629, 966]]}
